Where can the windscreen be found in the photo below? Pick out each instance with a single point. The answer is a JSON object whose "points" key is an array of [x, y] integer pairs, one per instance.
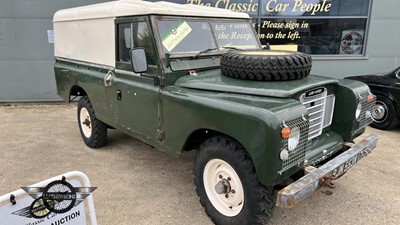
{"points": [[181, 35], [237, 34]]}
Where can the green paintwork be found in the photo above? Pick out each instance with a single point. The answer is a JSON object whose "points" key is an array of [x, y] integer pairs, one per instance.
{"points": [[252, 120], [347, 94], [214, 81], [184, 109]]}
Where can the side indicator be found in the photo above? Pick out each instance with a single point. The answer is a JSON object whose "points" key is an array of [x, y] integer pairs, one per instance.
{"points": [[370, 98], [285, 133]]}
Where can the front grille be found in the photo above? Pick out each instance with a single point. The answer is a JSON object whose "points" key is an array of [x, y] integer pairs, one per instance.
{"points": [[320, 108], [297, 155], [366, 109]]}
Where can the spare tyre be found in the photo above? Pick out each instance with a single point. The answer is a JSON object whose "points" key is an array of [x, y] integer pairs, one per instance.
{"points": [[266, 65]]}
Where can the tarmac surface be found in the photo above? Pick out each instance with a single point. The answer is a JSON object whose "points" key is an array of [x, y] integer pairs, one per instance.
{"points": [[140, 185]]}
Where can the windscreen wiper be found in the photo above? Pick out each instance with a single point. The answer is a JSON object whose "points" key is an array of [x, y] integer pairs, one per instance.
{"points": [[231, 47], [203, 51]]}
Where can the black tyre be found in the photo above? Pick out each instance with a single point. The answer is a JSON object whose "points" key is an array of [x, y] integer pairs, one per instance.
{"points": [[93, 131], [266, 65], [384, 114], [227, 184]]}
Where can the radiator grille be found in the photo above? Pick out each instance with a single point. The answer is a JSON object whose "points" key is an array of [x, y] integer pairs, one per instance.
{"points": [[297, 155], [315, 102], [366, 108]]}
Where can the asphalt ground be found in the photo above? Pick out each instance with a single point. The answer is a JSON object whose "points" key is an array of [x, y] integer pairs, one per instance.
{"points": [[140, 185]]}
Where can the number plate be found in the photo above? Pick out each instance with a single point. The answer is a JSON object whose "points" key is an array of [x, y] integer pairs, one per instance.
{"points": [[343, 168]]}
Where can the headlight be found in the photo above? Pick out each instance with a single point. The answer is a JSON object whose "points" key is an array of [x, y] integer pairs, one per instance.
{"points": [[284, 155], [294, 138], [358, 111]]}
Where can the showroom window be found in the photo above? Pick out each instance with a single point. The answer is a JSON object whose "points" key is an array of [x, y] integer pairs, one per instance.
{"points": [[317, 27]]}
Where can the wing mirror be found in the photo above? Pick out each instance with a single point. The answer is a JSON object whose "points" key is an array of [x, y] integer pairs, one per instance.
{"points": [[139, 64], [138, 60]]}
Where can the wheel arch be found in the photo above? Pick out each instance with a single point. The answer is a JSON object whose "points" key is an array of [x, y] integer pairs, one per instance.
{"points": [[76, 90], [197, 137]]}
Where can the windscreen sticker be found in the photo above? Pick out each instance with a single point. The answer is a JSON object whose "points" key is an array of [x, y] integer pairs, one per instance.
{"points": [[175, 35]]}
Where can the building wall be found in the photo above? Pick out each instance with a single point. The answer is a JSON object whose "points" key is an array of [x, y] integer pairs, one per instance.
{"points": [[26, 56], [382, 50]]}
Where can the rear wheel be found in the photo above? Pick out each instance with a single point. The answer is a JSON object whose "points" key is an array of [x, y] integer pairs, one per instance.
{"points": [[93, 131], [228, 186], [384, 114]]}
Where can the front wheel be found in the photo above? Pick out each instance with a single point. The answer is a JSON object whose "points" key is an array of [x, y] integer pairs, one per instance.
{"points": [[228, 186], [93, 131]]}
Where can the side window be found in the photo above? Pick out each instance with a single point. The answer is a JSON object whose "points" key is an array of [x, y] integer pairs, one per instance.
{"points": [[142, 38], [124, 42], [131, 35]]}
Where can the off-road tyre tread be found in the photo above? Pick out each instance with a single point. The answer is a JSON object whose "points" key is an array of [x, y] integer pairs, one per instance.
{"points": [[99, 129], [262, 199], [264, 67]]}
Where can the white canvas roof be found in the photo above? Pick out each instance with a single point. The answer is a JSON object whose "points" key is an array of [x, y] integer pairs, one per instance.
{"points": [[87, 33], [138, 7]]}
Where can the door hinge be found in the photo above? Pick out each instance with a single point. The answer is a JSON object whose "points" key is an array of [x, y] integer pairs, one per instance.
{"points": [[160, 135]]}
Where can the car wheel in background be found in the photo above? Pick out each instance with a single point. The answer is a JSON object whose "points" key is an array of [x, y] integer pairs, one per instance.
{"points": [[384, 114]]}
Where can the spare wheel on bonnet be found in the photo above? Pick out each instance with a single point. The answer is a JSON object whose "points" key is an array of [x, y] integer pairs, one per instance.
{"points": [[266, 65]]}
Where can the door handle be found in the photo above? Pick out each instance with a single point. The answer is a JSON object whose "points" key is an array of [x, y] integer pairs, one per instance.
{"points": [[119, 95], [108, 78]]}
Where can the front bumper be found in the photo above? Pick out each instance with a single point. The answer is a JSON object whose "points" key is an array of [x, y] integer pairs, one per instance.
{"points": [[305, 186]]}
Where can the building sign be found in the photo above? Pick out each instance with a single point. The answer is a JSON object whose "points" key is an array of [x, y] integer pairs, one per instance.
{"points": [[50, 36], [318, 27], [74, 217], [32, 210], [50, 202], [247, 6], [295, 7]]}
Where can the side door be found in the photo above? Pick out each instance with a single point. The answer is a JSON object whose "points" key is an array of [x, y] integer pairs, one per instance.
{"points": [[136, 97]]}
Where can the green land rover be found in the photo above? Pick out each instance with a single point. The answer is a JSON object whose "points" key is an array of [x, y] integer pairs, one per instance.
{"points": [[186, 77]]}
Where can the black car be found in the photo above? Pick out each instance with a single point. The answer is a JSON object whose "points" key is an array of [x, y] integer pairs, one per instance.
{"points": [[386, 87]]}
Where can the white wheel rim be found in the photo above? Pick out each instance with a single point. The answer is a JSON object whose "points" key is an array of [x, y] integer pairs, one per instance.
{"points": [[229, 204], [85, 122]]}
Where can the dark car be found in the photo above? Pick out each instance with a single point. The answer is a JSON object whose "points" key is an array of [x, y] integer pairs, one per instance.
{"points": [[386, 87]]}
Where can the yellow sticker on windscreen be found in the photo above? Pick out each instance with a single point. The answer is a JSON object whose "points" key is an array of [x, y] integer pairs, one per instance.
{"points": [[175, 35]]}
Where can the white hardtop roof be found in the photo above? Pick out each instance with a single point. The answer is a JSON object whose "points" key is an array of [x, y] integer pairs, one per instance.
{"points": [[139, 7]]}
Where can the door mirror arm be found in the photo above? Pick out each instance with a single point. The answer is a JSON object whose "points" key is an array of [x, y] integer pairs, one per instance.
{"points": [[154, 77], [139, 64]]}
